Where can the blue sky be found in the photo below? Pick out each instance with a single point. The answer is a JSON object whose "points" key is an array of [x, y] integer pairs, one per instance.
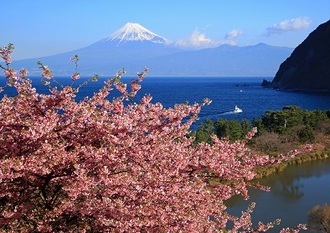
{"points": [[41, 28]]}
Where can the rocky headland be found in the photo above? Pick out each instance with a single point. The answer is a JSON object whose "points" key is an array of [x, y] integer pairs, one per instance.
{"points": [[308, 67]]}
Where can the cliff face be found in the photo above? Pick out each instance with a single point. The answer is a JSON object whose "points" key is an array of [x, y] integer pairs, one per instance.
{"points": [[308, 67]]}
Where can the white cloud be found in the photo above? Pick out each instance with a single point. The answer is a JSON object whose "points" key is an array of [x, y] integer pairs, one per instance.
{"points": [[230, 37], [197, 40], [233, 34], [288, 25]]}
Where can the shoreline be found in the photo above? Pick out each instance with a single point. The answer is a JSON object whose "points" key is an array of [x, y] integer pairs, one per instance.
{"points": [[299, 159]]}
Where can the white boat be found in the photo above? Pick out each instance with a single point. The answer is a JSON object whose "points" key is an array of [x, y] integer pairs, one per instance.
{"points": [[237, 109]]}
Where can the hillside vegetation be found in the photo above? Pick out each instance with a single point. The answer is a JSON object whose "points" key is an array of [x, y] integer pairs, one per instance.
{"points": [[278, 131]]}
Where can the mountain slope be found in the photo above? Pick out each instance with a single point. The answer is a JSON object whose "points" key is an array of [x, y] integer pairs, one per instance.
{"points": [[308, 68], [132, 47], [128, 47], [225, 60]]}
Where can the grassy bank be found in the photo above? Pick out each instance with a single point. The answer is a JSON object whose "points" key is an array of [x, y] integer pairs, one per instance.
{"points": [[302, 158]]}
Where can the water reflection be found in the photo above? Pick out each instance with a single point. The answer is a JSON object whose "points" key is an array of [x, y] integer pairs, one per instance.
{"points": [[289, 190], [293, 193]]}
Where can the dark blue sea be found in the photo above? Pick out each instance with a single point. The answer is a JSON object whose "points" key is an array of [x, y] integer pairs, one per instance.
{"points": [[225, 92]]}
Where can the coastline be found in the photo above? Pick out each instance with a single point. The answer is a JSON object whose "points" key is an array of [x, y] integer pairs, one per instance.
{"points": [[299, 159]]}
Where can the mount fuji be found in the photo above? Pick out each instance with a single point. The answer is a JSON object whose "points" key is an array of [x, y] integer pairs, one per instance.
{"points": [[133, 47], [134, 32]]}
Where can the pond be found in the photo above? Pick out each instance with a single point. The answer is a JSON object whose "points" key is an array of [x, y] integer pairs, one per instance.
{"points": [[294, 192]]}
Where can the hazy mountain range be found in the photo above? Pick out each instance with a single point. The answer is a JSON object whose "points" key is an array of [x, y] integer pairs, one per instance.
{"points": [[133, 47]]}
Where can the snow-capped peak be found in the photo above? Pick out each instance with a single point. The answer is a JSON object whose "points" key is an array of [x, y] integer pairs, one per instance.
{"points": [[135, 32]]}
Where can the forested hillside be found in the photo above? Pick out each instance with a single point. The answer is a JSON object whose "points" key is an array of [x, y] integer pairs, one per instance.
{"points": [[278, 131]]}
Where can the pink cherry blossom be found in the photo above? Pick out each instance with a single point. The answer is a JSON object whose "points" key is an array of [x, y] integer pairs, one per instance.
{"points": [[5, 53], [75, 76], [46, 72], [23, 73], [115, 166]]}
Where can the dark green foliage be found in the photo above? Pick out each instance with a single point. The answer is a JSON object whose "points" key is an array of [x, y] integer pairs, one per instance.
{"points": [[233, 129], [221, 128], [328, 113], [246, 127], [290, 124], [257, 122], [306, 135], [313, 118], [286, 120], [204, 132], [283, 120]]}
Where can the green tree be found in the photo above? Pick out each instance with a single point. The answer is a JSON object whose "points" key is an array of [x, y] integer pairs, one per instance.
{"points": [[257, 122], [284, 120], [221, 128], [232, 129], [306, 134], [204, 131], [235, 130], [246, 126], [315, 118]]}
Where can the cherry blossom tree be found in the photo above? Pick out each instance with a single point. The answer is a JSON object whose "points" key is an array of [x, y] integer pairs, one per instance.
{"points": [[114, 165]]}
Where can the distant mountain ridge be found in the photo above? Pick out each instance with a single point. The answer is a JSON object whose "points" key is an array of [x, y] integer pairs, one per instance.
{"points": [[308, 67], [133, 47], [225, 60]]}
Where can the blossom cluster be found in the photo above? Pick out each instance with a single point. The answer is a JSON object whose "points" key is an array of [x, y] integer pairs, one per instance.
{"points": [[101, 165], [5, 53]]}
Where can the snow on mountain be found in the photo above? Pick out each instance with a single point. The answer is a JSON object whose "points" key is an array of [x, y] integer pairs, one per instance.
{"points": [[134, 46], [135, 32]]}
